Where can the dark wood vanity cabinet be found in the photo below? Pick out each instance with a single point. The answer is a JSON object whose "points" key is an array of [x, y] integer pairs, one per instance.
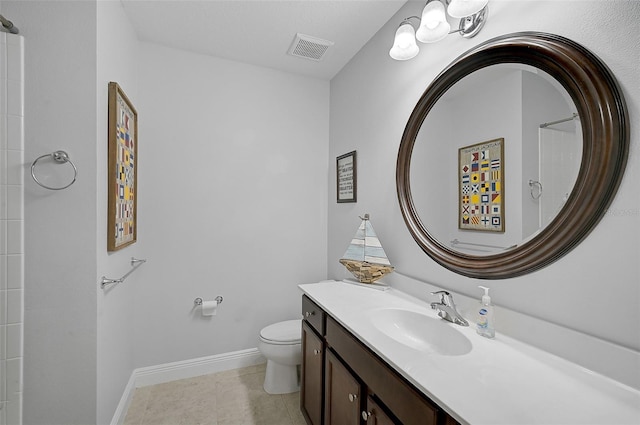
{"points": [[313, 353], [344, 383]]}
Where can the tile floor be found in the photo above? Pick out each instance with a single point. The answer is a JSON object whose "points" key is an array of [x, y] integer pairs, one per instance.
{"points": [[233, 397]]}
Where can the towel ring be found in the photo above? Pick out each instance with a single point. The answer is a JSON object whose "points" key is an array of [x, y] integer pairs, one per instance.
{"points": [[532, 184], [60, 157]]}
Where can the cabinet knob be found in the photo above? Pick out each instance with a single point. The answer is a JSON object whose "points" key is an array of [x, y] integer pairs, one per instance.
{"points": [[316, 351], [353, 397], [366, 415], [309, 313]]}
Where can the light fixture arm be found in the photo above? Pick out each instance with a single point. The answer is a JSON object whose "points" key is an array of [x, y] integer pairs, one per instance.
{"points": [[406, 20], [471, 25], [468, 26]]}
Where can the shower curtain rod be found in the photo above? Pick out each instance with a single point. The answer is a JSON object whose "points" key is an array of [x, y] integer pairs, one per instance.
{"points": [[8, 25], [571, 118]]}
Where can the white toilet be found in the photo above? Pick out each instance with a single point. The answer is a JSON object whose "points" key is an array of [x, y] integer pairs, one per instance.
{"points": [[280, 345]]}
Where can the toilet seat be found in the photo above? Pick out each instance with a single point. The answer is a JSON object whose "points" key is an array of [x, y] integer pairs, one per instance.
{"points": [[282, 333]]}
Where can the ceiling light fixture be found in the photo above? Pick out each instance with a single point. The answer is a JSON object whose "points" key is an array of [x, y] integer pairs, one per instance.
{"points": [[433, 25]]}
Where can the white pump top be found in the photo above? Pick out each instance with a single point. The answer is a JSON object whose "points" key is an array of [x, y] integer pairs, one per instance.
{"points": [[486, 299]]}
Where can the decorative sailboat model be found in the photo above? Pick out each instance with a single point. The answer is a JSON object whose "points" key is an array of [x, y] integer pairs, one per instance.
{"points": [[364, 257]]}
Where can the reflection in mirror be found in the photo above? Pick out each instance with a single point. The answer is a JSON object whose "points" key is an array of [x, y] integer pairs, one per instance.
{"points": [[543, 141], [603, 122]]}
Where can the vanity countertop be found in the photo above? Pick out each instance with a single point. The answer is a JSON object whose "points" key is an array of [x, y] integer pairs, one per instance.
{"points": [[500, 381]]}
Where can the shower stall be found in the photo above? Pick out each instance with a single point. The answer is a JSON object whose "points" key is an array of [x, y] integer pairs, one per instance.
{"points": [[11, 225], [559, 162]]}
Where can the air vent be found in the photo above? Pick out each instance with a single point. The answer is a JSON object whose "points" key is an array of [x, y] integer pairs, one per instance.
{"points": [[305, 46]]}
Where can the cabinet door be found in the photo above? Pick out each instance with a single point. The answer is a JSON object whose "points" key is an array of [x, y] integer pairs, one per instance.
{"points": [[342, 394], [311, 391], [408, 406], [374, 415]]}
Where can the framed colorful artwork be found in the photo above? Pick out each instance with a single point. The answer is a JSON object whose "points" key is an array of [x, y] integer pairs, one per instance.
{"points": [[481, 186], [122, 173], [346, 178]]}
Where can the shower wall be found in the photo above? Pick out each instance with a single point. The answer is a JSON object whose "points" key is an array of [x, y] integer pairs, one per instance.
{"points": [[560, 152], [11, 226]]}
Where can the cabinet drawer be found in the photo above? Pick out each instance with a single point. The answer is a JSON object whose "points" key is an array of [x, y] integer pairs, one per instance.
{"points": [[401, 398], [313, 314]]}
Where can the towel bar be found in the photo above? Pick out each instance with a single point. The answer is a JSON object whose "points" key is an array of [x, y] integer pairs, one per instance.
{"points": [[135, 263]]}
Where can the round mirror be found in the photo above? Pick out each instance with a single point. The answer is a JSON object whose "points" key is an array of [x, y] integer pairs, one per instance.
{"points": [[532, 119], [512, 155]]}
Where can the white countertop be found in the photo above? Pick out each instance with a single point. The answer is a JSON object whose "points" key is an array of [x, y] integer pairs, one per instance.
{"points": [[500, 381]]}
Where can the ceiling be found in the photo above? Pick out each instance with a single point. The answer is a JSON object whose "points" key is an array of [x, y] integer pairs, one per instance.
{"points": [[260, 32]]}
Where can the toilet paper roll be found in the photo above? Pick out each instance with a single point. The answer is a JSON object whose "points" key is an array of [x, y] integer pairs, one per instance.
{"points": [[209, 308]]}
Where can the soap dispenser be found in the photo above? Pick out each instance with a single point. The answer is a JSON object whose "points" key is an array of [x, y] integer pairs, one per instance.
{"points": [[485, 316]]}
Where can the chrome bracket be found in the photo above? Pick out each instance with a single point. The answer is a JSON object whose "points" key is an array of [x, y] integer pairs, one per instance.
{"points": [[471, 25]]}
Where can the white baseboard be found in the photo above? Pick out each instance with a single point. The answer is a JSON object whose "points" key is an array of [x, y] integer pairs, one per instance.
{"points": [[125, 401], [152, 375], [167, 372]]}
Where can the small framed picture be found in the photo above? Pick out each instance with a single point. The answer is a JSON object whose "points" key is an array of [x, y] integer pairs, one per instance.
{"points": [[346, 178], [481, 186]]}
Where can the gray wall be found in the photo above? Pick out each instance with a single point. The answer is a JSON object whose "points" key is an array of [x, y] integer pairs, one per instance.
{"points": [[68, 335], [232, 201], [60, 323], [116, 305], [371, 100]]}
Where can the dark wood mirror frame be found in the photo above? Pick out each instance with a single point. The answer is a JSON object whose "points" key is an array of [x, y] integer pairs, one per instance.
{"points": [[605, 128]]}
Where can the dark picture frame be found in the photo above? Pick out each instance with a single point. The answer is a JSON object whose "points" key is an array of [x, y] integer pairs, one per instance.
{"points": [[347, 178]]}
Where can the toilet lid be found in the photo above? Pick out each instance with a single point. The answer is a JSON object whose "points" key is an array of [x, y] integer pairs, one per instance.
{"points": [[287, 331]]}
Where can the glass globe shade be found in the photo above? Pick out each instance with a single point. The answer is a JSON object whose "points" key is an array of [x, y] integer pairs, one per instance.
{"points": [[464, 8], [433, 24], [404, 43]]}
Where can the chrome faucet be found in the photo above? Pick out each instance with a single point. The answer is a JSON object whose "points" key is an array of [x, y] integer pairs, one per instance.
{"points": [[447, 309]]}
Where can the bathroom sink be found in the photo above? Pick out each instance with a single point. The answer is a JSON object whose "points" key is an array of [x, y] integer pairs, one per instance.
{"points": [[421, 332]]}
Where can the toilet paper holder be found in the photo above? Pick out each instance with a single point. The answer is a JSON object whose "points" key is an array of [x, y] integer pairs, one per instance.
{"points": [[198, 301]]}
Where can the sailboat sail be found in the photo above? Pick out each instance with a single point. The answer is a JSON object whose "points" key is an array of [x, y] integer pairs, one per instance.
{"points": [[365, 246], [365, 258]]}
